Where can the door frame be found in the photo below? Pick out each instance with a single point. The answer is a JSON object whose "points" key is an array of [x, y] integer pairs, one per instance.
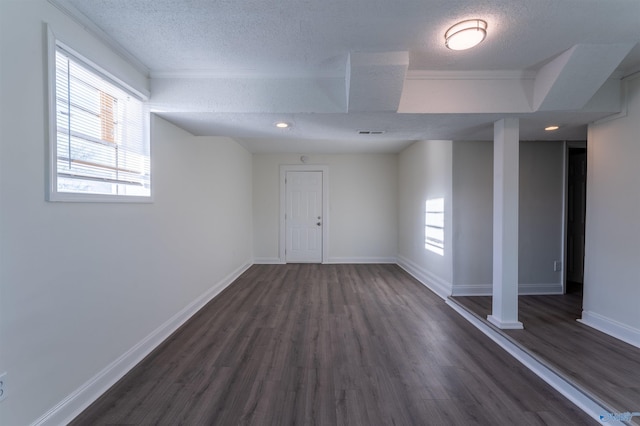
{"points": [[284, 168]]}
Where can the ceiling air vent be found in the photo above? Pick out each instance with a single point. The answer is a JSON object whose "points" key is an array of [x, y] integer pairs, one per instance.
{"points": [[371, 132]]}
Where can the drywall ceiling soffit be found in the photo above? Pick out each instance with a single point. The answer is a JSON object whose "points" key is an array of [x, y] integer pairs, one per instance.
{"points": [[386, 86], [569, 81], [205, 93], [578, 79], [431, 105], [373, 83], [375, 80]]}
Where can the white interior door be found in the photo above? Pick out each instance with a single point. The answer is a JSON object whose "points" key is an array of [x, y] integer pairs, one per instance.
{"points": [[303, 216]]}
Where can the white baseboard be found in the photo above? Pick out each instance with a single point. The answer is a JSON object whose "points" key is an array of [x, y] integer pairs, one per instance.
{"points": [[67, 409], [434, 283], [472, 290], [611, 327], [268, 261], [334, 260], [361, 260], [583, 401], [523, 289], [540, 289]]}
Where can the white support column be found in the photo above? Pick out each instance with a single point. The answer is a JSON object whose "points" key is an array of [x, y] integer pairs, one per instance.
{"points": [[506, 159]]}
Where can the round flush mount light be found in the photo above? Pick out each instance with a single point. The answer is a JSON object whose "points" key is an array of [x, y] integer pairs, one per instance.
{"points": [[466, 34], [551, 128], [282, 125]]}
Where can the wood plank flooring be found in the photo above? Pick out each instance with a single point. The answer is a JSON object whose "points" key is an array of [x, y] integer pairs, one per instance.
{"points": [[603, 366], [329, 345]]}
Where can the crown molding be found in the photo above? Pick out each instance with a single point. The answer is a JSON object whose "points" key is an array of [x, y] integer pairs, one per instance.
{"points": [[471, 75], [242, 74]]}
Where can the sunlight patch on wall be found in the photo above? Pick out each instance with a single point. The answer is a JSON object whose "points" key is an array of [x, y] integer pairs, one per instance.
{"points": [[434, 226]]}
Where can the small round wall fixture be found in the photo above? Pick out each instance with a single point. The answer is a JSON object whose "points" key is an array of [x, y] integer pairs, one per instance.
{"points": [[466, 34]]}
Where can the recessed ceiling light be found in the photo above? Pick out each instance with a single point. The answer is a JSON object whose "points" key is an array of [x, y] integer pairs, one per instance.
{"points": [[551, 128], [282, 125], [466, 34]]}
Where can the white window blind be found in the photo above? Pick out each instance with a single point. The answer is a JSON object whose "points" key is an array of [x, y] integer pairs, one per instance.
{"points": [[101, 143]]}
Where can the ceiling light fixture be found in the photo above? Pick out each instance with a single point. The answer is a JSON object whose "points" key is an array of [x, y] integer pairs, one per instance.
{"points": [[551, 128], [282, 125], [466, 34]]}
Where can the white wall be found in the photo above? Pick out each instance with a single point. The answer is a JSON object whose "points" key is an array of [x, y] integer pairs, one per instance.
{"points": [[612, 250], [362, 205], [82, 284], [425, 172], [541, 216]]}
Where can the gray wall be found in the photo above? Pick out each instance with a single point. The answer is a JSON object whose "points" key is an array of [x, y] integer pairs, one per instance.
{"points": [[540, 220], [472, 216], [541, 217]]}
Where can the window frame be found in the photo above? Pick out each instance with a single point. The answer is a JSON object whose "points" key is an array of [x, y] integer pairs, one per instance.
{"points": [[52, 193]]}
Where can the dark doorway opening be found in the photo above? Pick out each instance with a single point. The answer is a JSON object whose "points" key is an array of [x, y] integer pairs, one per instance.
{"points": [[576, 208]]}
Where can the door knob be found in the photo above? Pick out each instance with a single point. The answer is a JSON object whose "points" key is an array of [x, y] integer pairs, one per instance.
{"points": [[318, 223]]}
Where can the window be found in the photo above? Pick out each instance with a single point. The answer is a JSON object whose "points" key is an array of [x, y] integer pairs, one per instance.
{"points": [[100, 143], [434, 225]]}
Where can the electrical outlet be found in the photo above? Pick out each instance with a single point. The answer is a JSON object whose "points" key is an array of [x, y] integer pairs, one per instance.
{"points": [[3, 386], [557, 265]]}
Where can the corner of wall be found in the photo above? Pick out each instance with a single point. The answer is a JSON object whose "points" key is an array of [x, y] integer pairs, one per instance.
{"points": [[67, 409], [440, 287], [611, 327]]}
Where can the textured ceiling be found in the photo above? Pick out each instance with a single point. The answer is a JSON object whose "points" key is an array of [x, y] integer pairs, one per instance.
{"points": [[333, 67]]}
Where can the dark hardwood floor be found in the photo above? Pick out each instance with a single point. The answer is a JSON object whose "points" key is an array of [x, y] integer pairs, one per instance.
{"points": [[604, 367], [331, 345]]}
